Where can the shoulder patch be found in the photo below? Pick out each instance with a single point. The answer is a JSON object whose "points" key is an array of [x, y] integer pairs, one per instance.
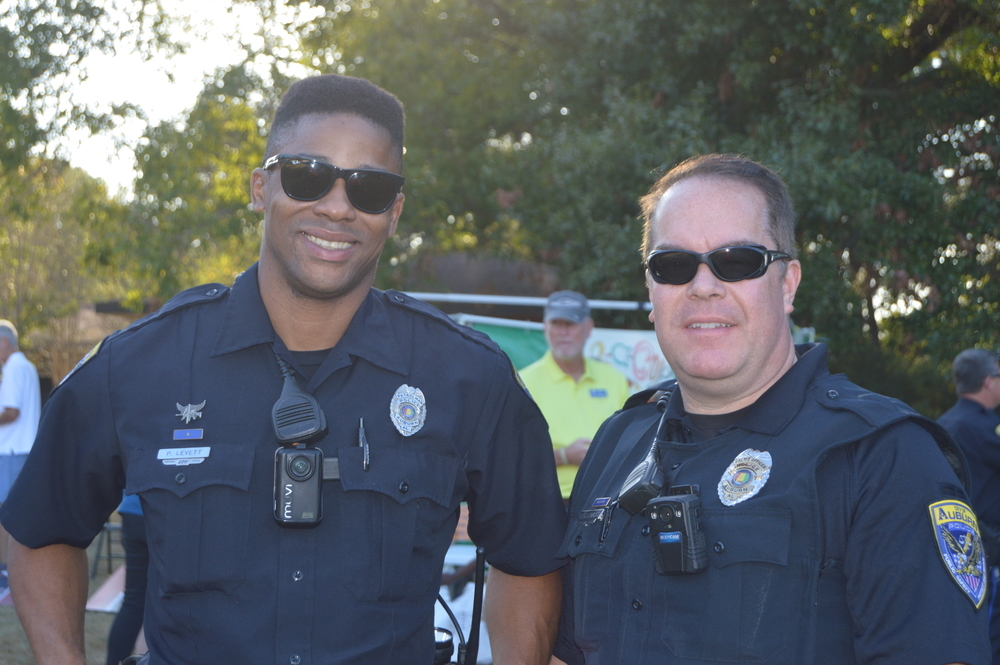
{"points": [[956, 532], [520, 381], [83, 361]]}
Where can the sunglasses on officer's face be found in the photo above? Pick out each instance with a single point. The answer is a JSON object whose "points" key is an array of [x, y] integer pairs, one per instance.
{"points": [[730, 264], [308, 179]]}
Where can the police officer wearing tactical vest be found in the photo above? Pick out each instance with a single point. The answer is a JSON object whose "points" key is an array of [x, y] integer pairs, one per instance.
{"points": [[761, 510], [301, 442]]}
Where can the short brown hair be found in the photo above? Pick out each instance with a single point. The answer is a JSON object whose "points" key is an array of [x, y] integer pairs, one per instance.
{"points": [[780, 213]]}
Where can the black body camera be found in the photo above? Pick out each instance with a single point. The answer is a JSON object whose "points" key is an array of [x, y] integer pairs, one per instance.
{"points": [[298, 486], [298, 422], [675, 528]]}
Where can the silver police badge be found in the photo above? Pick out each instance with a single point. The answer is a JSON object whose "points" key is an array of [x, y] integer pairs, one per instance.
{"points": [[956, 531], [745, 476], [408, 409]]}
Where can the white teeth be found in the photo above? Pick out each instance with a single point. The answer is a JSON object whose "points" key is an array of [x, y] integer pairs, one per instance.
{"points": [[710, 326], [326, 244]]}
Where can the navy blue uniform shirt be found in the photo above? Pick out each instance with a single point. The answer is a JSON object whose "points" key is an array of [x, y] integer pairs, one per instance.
{"points": [[977, 430], [227, 584], [832, 557]]}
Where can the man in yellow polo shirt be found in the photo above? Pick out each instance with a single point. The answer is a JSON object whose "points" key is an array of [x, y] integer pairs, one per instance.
{"points": [[575, 394]]}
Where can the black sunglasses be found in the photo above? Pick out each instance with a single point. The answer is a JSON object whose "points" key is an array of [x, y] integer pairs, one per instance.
{"points": [[730, 264], [308, 179]]}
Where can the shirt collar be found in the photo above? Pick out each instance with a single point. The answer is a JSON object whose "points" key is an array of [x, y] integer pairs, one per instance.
{"points": [[556, 373], [246, 322], [782, 401], [971, 404], [370, 334]]}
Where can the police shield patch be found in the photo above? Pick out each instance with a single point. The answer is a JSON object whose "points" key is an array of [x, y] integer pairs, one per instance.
{"points": [[956, 531]]}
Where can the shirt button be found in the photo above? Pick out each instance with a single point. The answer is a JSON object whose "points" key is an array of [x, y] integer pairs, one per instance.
{"points": [[399, 298], [644, 530], [578, 540], [404, 487], [295, 659], [180, 478], [832, 394], [676, 465], [636, 604], [297, 575], [719, 547], [212, 292]]}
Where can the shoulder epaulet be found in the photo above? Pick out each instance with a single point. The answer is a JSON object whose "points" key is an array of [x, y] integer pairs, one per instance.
{"points": [[650, 395], [838, 393], [183, 299], [417, 306], [879, 410]]}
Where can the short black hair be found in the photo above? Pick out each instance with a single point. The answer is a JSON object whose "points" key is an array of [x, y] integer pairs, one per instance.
{"points": [[329, 94], [780, 212], [970, 369]]}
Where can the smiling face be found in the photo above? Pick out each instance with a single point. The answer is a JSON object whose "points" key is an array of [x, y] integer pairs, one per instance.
{"points": [[727, 342], [326, 249]]}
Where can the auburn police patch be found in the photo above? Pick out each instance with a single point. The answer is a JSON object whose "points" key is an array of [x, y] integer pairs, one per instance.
{"points": [[957, 533]]}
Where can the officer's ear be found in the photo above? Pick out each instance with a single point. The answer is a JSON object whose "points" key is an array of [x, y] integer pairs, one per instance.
{"points": [[258, 183], [790, 284]]}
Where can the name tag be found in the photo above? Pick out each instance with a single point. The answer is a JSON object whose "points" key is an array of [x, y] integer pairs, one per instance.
{"points": [[598, 392], [183, 456]]}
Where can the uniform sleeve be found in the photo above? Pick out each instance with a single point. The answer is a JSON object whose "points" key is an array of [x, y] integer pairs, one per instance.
{"points": [[906, 605], [73, 477], [515, 508], [976, 440], [565, 647]]}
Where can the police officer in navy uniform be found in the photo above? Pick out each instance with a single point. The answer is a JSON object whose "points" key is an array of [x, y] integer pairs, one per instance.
{"points": [[798, 518], [420, 415], [975, 426]]}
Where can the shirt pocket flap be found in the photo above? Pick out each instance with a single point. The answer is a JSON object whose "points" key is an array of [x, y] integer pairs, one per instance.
{"points": [[746, 535], [595, 531], [404, 475], [224, 465]]}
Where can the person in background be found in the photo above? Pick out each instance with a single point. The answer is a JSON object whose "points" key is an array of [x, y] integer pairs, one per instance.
{"points": [[576, 394], [215, 411], [760, 509], [975, 426], [20, 407], [128, 622]]}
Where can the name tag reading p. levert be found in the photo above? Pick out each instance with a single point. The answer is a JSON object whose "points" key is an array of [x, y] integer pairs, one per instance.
{"points": [[183, 456]]}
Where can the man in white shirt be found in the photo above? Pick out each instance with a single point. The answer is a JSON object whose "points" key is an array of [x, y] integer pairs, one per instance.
{"points": [[20, 408]]}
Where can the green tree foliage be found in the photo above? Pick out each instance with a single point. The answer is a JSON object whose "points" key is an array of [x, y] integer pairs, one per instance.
{"points": [[534, 127], [46, 207], [190, 221], [460, 67], [43, 240], [42, 44]]}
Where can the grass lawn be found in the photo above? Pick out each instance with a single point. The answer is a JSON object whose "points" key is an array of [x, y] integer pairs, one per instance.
{"points": [[14, 645]]}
